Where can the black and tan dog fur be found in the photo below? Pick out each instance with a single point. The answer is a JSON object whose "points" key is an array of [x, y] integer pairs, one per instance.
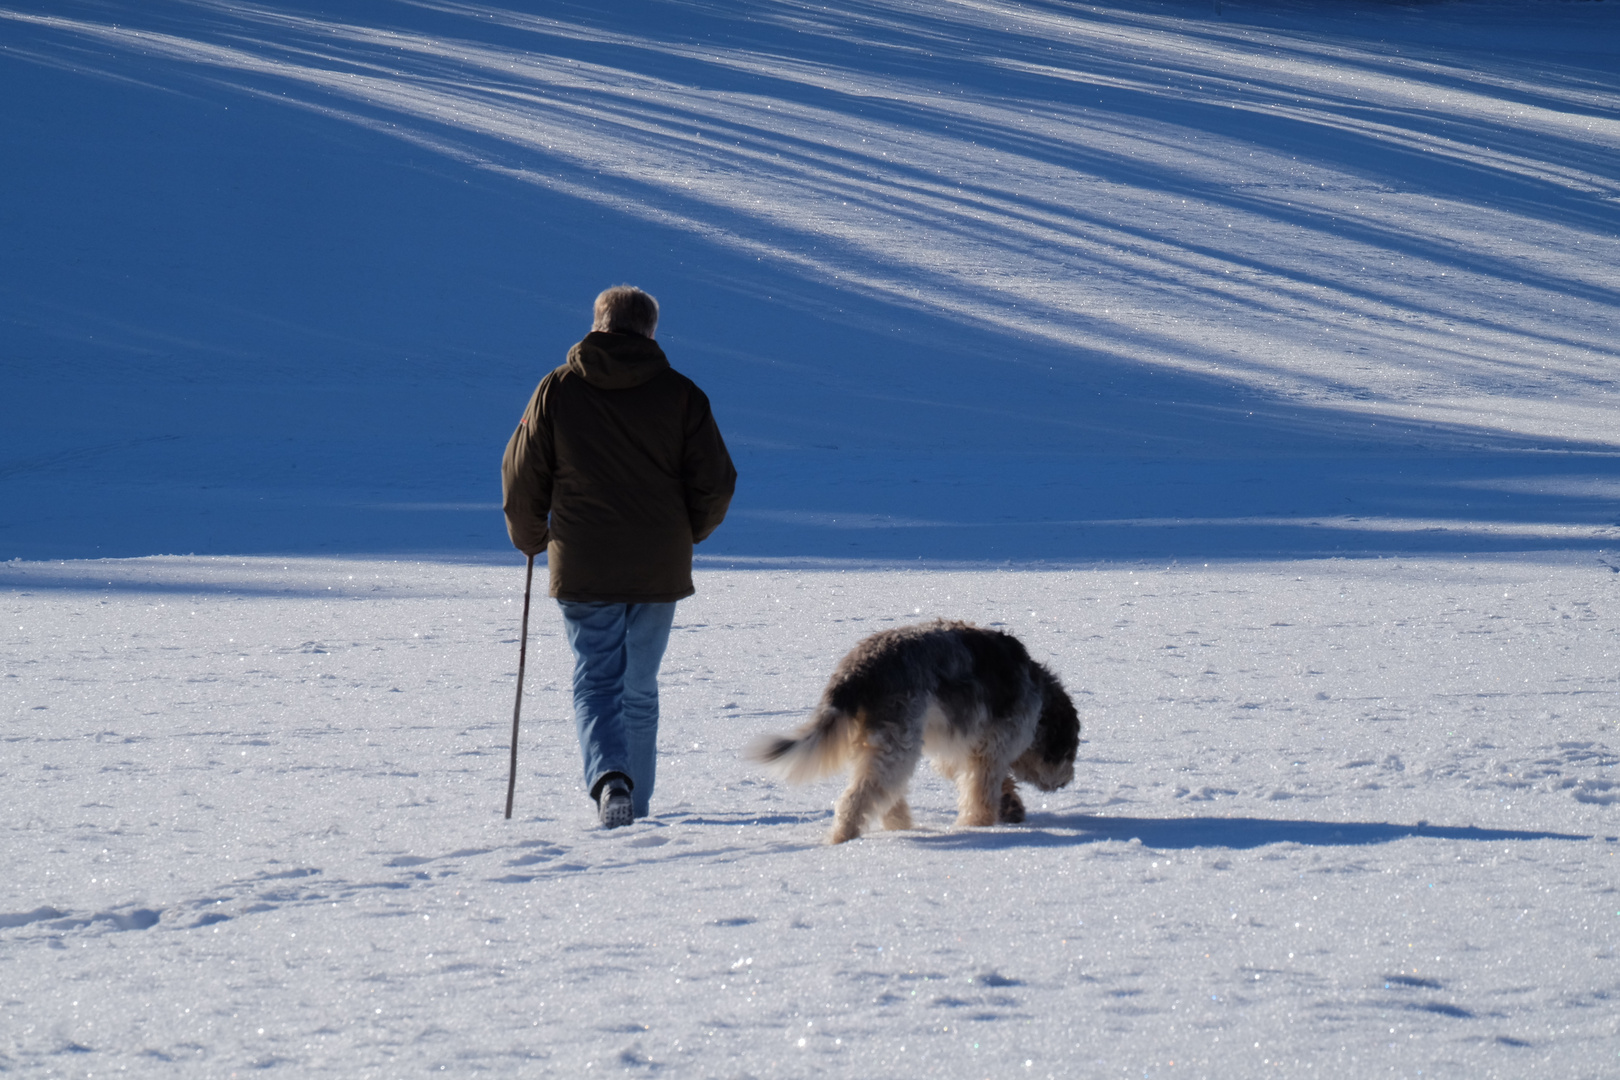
{"points": [[970, 699]]}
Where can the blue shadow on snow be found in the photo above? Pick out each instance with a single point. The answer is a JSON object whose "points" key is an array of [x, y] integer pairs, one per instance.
{"points": [[1237, 833], [325, 345]]}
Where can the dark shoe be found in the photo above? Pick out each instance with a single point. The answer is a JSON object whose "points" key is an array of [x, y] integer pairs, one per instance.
{"points": [[613, 803]]}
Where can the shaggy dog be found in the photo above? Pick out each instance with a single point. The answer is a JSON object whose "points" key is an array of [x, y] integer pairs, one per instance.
{"points": [[971, 699]]}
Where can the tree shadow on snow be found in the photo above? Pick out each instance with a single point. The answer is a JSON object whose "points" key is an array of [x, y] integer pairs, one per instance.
{"points": [[357, 282], [1234, 833]]}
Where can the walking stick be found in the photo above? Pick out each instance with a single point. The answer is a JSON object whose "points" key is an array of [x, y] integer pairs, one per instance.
{"points": [[517, 706]]}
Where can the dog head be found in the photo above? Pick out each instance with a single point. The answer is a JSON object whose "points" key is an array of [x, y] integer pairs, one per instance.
{"points": [[1049, 761]]}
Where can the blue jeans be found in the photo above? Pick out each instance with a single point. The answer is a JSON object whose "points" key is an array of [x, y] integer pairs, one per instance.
{"points": [[617, 650]]}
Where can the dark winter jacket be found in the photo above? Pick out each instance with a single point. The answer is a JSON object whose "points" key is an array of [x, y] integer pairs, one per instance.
{"points": [[615, 471]]}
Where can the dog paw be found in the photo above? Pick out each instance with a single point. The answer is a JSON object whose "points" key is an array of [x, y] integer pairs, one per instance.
{"points": [[1011, 810], [842, 831], [898, 816]]}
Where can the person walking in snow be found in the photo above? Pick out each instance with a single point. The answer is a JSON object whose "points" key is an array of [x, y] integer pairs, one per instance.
{"points": [[616, 469]]}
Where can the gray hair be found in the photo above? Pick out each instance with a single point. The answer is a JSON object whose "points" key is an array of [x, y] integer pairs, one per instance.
{"points": [[625, 309]]}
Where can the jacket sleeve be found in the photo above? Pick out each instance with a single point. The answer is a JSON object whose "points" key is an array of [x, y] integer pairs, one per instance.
{"points": [[527, 471], [709, 477]]}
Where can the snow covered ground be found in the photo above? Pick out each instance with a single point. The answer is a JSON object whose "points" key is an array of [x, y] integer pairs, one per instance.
{"points": [[1339, 818], [965, 280], [1253, 362]]}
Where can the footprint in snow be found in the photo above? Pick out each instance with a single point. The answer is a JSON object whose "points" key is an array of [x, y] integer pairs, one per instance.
{"points": [[23, 918]]}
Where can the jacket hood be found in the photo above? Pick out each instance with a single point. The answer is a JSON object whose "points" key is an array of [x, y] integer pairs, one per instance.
{"points": [[616, 361]]}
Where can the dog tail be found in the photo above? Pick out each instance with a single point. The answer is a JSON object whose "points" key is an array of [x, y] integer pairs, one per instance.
{"points": [[818, 748]]}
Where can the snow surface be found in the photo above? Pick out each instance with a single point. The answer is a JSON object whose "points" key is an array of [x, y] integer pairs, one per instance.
{"points": [[965, 280], [1342, 818], [1252, 362]]}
